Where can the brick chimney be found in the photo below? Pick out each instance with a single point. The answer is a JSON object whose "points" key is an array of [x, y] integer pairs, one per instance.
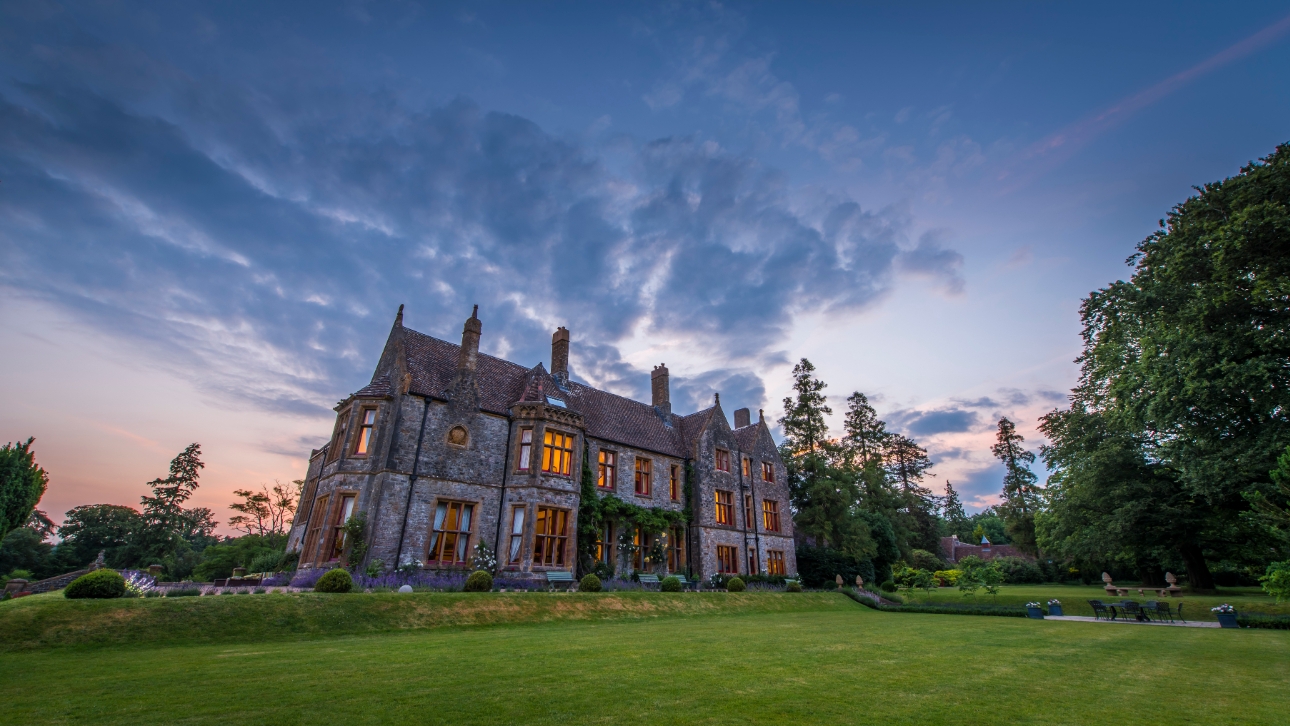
{"points": [[743, 417], [470, 342], [560, 355], [662, 394]]}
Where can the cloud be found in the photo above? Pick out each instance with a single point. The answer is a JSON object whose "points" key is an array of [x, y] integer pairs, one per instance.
{"points": [[938, 421], [932, 260]]}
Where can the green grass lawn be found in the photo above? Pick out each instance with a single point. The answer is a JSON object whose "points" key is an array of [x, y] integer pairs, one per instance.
{"points": [[1075, 599], [629, 658]]}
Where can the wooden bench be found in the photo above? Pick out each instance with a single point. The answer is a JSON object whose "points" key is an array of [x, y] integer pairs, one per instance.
{"points": [[648, 579], [559, 577]]}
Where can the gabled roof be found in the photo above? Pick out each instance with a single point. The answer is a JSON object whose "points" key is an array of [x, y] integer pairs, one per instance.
{"points": [[615, 418], [433, 364], [747, 436], [379, 388]]}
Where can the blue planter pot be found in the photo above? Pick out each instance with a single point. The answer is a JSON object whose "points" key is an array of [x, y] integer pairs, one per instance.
{"points": [[1035, 613], [1227, 620], [1055, 610]]}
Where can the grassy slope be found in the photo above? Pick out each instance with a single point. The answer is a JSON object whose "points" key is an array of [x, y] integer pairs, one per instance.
{"points": [[1075, 599], [768, 662]]}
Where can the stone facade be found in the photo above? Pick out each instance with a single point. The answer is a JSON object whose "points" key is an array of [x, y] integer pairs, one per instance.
{"points": [[448, 447]]}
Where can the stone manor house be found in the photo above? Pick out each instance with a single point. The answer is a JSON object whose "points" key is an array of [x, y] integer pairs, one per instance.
{"points": [[448, 447]]}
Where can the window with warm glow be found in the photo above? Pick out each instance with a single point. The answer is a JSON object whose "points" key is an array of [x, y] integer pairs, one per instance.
{"points": [[450, 537], [365, 426], [343, 513], [770, 515], [557, 455], [526, 449], [747, 468], [517, 535], [551, 537], [748, 510], [767, 471], [674, 484], [605, 544], [775, 563], [313, 535], [727, 559], [644, 472], [725, 507], [676, 550], [640, 541], [723, 460], [608, 470]]}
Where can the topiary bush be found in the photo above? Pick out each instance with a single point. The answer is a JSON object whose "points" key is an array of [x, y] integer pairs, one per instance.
{"points": [[479, 581], [735, 585], [671, 583], [589, 583], [337, 580], [99, 584], [794, 586], [888, 586]]}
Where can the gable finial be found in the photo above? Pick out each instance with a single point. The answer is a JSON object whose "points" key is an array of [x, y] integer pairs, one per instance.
{"points": [[398, 319], [474, 314], [716, 398]]}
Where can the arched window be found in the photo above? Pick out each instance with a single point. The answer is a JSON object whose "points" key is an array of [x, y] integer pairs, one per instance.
{"points": [[458, 436]]}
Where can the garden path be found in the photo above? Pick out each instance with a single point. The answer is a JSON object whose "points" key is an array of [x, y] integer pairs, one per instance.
{"points": [[1085, 619]]}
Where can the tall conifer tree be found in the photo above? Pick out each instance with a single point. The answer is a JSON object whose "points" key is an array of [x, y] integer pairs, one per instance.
{"points": [[1020, 494]]}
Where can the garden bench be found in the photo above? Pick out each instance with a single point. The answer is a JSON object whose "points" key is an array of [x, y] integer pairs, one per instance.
{"points": [[648, 579], [559, 577]]}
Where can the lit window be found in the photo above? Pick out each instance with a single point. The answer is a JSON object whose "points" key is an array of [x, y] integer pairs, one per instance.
{"points": [[674, 484], [723, 460], [313, 536], [526, 448], [747, 468], [450, 540], [767, 471], [775, 563], [364, 442], [343, 513], [558, 453], [676, 552], [725, 507], [605, 545], [552, 537], [770, 515], [639, 540], [517, 534], [608, 469], [727, 559], [748, 510], [643, 477]]}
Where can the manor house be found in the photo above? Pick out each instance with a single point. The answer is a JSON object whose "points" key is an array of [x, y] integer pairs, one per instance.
{"points": [[448, 447]]}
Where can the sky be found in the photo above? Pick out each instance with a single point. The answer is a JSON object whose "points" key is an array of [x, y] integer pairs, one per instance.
{"points": [[209, 213]]}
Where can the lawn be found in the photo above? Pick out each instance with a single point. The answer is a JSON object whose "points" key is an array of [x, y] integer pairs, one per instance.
{"points": [[638, 658], [1075, 599]]}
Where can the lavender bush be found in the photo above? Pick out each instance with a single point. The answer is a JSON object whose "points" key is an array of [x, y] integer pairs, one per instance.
{"points": [[138, 583]]}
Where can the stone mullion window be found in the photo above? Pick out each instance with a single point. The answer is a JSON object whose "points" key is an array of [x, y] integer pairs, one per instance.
{"points": [[366, 427], [674, 483], [676, 550], [775, 562], [551, 538], [770, 515], [338, 436], [336, 533], [557, 454], [722, 460], [727, 559], [516, 551], [725, 510], [644, 476], [450, 533], [607, 475], [525, 458], [748, 511], [314, 530], [767, 471]]}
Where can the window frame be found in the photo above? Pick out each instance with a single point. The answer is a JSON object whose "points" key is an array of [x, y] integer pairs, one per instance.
{"points": [[554, 454], [606, 546], [338, 434], [542, 545], [676, 550], [724, 511], [365, 432], [775, 563], [519, 519], [770, 515], [644, 472], [524, 457], [439, 536], [674, 483], [745, 467], [721, 460], [609, 467], [768, 472], [314, 528], [335, 532], [748, 511], [727, 556]]}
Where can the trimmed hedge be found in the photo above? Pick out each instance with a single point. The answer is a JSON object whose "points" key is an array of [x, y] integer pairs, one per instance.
{"points": [[671, 583], [1269, 622], [479, 581], [735, 584], [590, 583], [99, 584], [337, 580], [794, 586], [1006, 611]]}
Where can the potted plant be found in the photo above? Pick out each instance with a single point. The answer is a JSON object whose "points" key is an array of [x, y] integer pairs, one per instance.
{"points": [[1033, 610], [1226, 616], [1055, 608]]}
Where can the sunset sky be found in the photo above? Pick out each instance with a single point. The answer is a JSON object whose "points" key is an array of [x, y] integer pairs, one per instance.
{"points": [[209, 213]]}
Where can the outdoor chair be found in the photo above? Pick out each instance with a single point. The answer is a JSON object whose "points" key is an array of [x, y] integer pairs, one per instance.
{"points": [[1164, 612], [1179, 616], [1132, 608], [1150, 607], [1099, 610]]}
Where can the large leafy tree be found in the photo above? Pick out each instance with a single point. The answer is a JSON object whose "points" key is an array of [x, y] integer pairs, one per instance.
{"points": [[1020, 494], [264, 513], [22, 484], [1187, 361], [108, 528]]}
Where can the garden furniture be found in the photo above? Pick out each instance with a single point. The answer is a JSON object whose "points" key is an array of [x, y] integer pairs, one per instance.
{"points": [[1132, 608], [648, 579], [560, 577], [1100, 610], [1164, 611]]}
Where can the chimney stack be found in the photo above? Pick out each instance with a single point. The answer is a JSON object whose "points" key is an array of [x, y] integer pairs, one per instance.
{"points": [[743, 417], [560, 355], [661, 392], [470, 342]]}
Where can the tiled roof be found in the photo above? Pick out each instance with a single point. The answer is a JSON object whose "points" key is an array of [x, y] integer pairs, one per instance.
{"points": [[433, 363], [379, 388], [747, 436], [622, 420], [691, 426]]}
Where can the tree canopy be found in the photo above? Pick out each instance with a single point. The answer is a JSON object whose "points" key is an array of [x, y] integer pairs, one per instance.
{"points": [[22, 484]]}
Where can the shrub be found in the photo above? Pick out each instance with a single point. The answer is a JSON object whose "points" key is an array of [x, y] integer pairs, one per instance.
{"points": [[267, 561], [817, 566], [947, 578], [479, 581], [20, 575], [184, 592], [924, 560], [671, 583], [97, 584], [589, 583], [735, 584], [888, 586], [794, 586], [1276, 582], [337, 580], [1019, 571]]}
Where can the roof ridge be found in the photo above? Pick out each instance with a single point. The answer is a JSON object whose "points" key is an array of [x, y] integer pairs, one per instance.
{"points": [[615, 395], [481, 354]]}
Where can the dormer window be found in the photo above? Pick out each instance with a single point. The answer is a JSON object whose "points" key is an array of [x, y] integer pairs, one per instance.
{"points": [[723, 460], [555, 402], [365, 426], [767, 471]]}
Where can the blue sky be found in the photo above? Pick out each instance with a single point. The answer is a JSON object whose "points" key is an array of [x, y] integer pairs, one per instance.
{"points": [[209, 212]]}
